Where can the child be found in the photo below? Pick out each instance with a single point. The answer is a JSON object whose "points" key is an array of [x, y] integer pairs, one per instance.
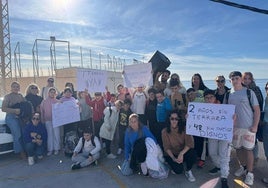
{"points": [[139, 102], [219, 150], [86, 151], [124, 114], [108, 127], [199, 142], [53, 133], [98, 105]]}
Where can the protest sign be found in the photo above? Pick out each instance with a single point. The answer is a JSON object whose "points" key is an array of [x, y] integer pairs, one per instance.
{"points": [[210, 120], [137, 74], [93, 80], [64, 113]]}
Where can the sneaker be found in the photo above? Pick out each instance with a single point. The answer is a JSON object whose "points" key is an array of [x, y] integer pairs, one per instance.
{"points": [[265, 180], [200, 164], [241, 171], [214, 171], [111, 156], [144, 169], [224, 183], [49, 153], [40, 156], [56, 152], [30, 161], [249, 178], [76, 166], [119, 151], [189, 175]]}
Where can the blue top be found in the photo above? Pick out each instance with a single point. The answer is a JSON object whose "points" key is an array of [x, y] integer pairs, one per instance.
{"points": [[266, 110], [40, 129], [131, 136], [162, 110]]}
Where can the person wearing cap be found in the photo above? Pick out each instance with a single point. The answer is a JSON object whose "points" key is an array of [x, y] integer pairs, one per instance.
{"points": [[139, 102], [245, 125], [50, 83], [219, 150]]}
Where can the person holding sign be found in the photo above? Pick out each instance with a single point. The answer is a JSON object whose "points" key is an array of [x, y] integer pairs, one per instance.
{"points": [[178, 147], [219, 150], [246, 125]]}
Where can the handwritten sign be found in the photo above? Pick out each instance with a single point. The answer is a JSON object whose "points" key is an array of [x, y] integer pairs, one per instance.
{"points": [[137, 74], [93, 80], [64, 113], [210, 120]]}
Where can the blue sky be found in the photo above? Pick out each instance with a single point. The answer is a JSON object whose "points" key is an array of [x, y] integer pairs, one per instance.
{"points": [[198, 36]]}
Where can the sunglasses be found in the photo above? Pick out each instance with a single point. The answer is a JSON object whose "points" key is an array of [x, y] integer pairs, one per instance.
{"points": [[174, 119], [37, 119], [220, 81], [33, 87]]}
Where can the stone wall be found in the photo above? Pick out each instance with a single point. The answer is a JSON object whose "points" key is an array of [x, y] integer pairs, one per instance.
{"points": [[62, 76]]}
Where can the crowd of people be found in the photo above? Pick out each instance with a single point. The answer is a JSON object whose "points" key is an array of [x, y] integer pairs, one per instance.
{"points": [[148, 125]]}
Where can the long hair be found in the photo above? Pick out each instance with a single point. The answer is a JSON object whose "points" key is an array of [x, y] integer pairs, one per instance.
{"points": [[28, 89], [201, 84], [252, 84], [181, 123]]}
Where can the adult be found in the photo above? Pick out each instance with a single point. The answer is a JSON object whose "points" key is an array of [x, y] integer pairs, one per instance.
{"points": [[198, 83], [50, 83], [178, 146], [32, 92], [53, 133], [12, 116], [265, 130], [35, 138], [249, 82], [221, 88], [245, 126]]}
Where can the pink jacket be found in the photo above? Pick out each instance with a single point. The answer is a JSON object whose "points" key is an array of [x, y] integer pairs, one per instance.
{"points": [[46, 109]]}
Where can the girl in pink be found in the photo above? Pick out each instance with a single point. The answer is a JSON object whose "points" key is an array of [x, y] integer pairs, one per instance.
{"points": [[53, 133]]}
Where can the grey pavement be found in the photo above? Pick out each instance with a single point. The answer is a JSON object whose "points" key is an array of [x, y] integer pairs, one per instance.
{"points": [[55, 171]]}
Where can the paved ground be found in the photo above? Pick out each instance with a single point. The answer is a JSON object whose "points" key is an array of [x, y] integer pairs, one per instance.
{"points": [[54, 171]]}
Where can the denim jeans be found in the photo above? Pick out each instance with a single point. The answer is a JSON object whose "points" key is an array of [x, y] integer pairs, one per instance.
{"points": [[16, 130], [33, 149]]}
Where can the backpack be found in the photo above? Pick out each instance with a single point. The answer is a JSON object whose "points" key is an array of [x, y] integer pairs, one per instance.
{"points": [[248, 95], [70, 141], [83, 143], [259, 134]]}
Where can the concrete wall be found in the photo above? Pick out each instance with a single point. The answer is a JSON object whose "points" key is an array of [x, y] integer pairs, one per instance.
{"points": [[62, 76]]}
